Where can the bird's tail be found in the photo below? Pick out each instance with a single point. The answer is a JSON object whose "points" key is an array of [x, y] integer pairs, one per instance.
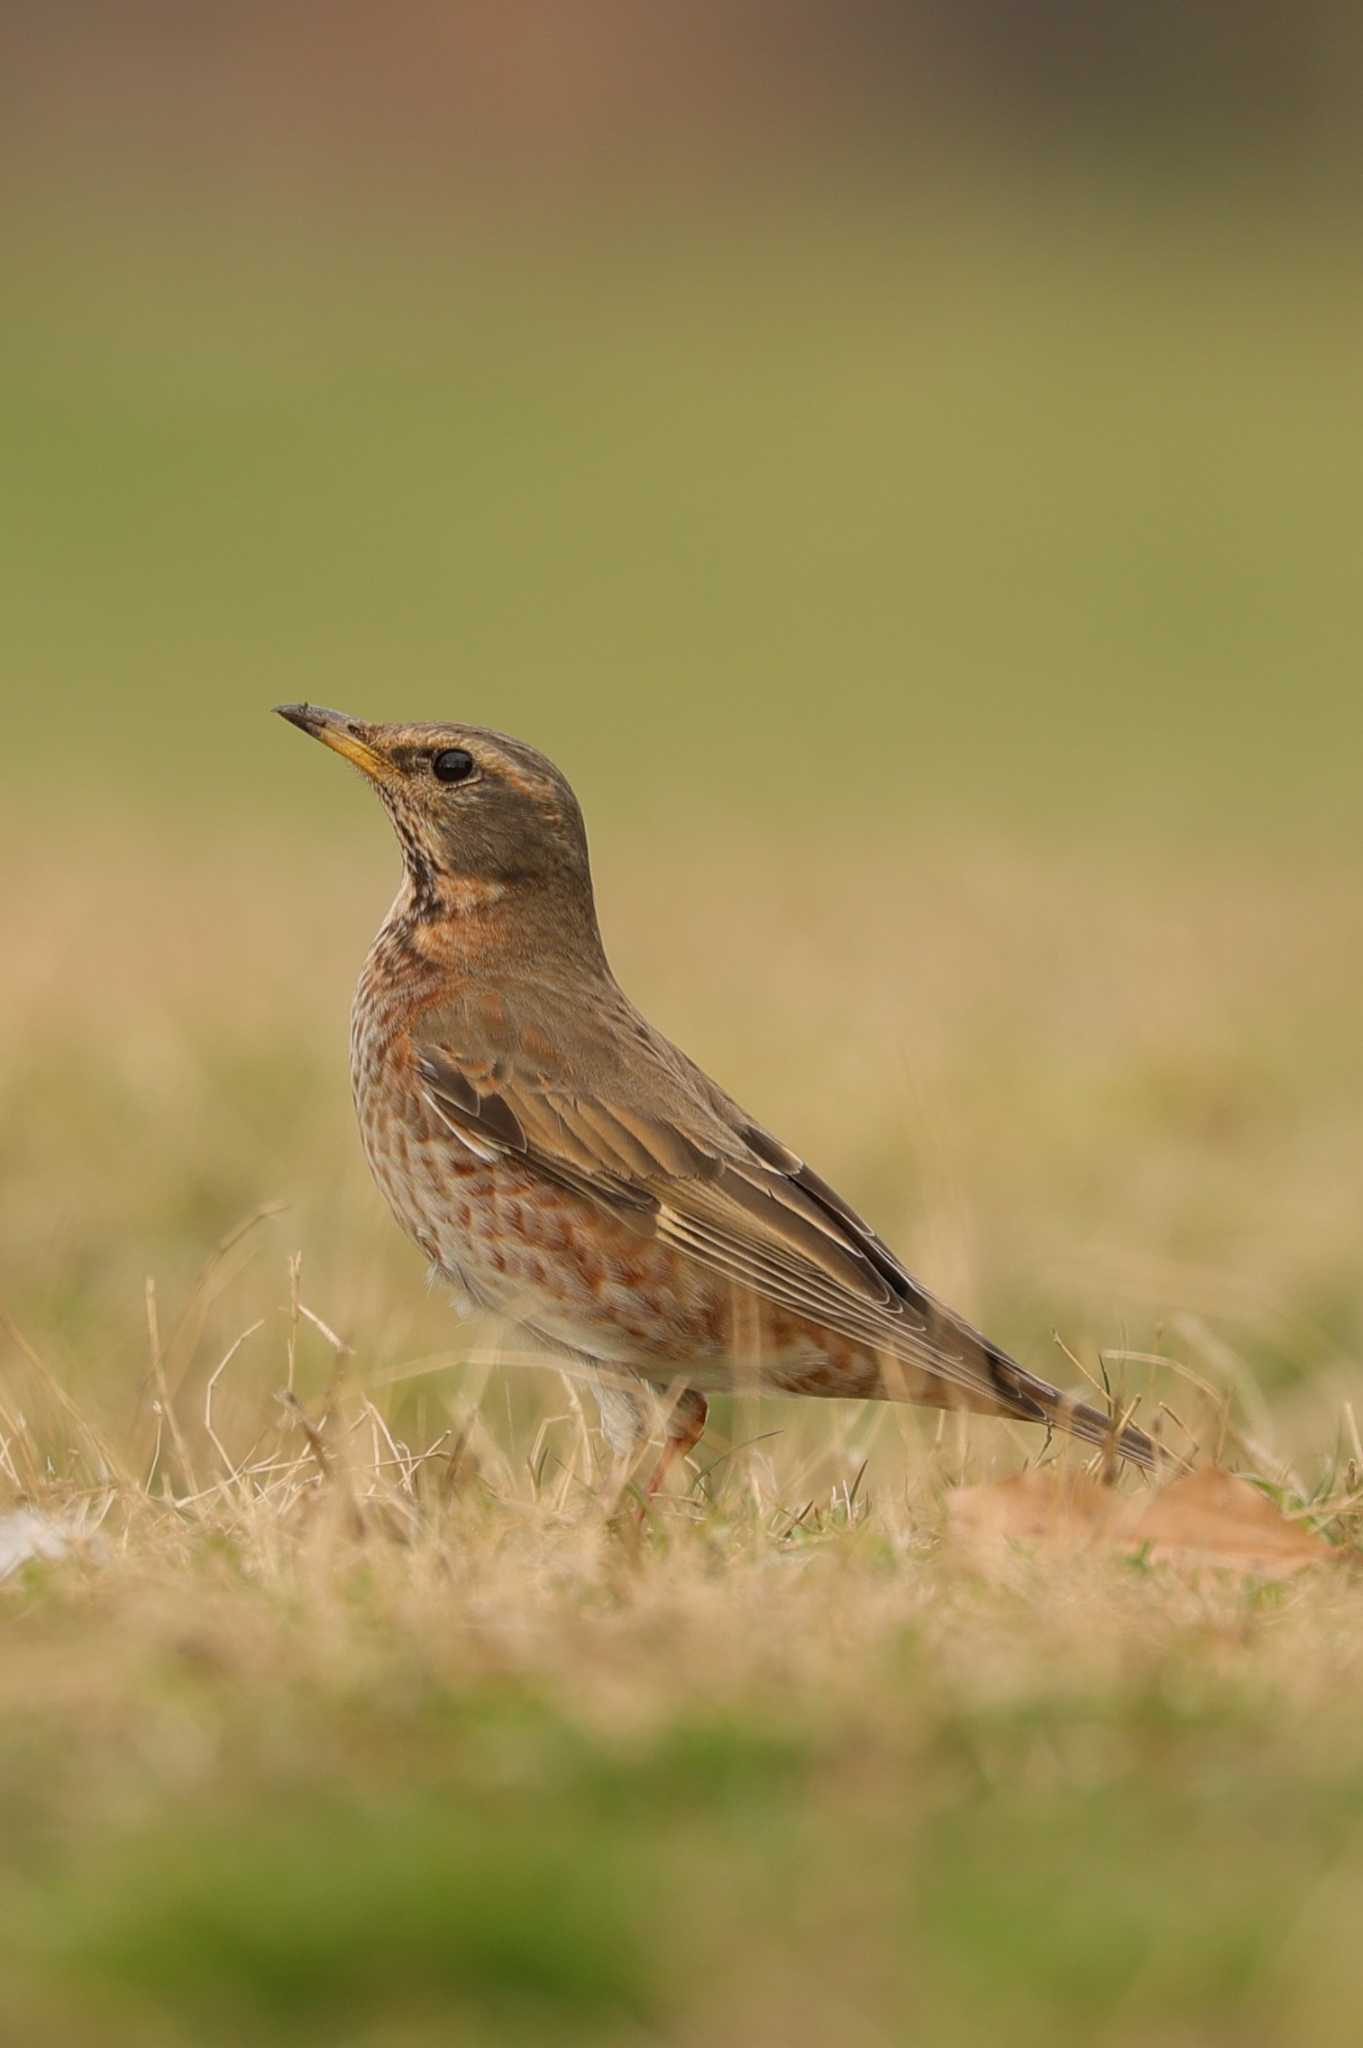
{"points": [[1035, 1400], [1077, 1418]]}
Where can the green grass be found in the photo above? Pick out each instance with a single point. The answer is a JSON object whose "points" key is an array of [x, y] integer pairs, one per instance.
{"points": [[959, 507]]}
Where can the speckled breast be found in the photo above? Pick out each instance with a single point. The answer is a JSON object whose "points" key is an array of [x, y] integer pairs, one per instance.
{"points": [[580, 1281], [515, 1243]]}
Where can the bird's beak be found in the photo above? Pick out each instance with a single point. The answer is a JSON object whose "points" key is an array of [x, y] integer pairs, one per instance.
{"points": [[348, 736]]}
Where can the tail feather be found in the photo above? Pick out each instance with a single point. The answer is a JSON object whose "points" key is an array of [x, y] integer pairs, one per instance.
{"points": [[1093, 1427], [1035, 1400]]}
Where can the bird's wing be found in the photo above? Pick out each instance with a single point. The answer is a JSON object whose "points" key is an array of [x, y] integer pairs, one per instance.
{"points": [[648, 1141]]}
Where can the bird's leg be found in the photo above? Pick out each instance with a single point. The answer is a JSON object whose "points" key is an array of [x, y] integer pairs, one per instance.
{"points": [[625, 1419], [685, 1427]]}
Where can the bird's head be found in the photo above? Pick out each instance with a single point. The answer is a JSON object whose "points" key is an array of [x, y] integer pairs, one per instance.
{"points": [[479, 816]]}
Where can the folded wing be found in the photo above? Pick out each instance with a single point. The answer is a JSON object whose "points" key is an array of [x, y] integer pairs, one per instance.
{"points": [[674, 1159]]}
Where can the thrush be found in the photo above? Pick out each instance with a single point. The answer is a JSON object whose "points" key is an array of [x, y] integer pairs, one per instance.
{"points": [[563, 1164]]}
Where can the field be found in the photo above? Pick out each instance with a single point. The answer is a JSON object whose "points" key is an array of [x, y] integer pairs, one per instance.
{"points": [[964, 707]]}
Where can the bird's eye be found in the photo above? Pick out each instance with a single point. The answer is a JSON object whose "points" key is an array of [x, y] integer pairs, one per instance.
{"points": [[453, 765]]}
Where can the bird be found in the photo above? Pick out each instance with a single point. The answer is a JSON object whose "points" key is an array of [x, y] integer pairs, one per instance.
{"points": [[563, 1164]]}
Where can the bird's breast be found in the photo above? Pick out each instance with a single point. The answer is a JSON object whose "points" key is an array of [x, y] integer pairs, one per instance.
{"points": [[576, 1276]]}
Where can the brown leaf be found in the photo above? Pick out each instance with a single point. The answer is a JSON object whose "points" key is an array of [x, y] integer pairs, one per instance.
{"points": [[1210, 1517], [1204, 1518], [1066, 1510]]}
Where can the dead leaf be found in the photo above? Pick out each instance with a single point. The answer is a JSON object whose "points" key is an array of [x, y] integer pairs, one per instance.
{"points": [[1203, 1518], [1210, 1517], [1057, 1510]]}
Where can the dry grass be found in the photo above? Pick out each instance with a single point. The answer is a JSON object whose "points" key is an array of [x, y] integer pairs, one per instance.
{"points": [[351, 1706]]}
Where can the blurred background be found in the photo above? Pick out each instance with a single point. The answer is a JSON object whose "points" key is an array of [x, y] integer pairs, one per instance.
{"points": [[902, 461]]}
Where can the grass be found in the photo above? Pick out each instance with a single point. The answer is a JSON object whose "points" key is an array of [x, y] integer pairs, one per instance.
{"points": [[357, 1716], [815, 490], [460, 1761], [948, 616]]}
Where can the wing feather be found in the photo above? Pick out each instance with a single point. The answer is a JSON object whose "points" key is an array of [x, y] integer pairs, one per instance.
{"points": [[730, 1196]]}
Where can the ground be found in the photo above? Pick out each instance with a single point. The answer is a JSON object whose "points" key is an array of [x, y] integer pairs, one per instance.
{"points": [[368, 1711]]}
